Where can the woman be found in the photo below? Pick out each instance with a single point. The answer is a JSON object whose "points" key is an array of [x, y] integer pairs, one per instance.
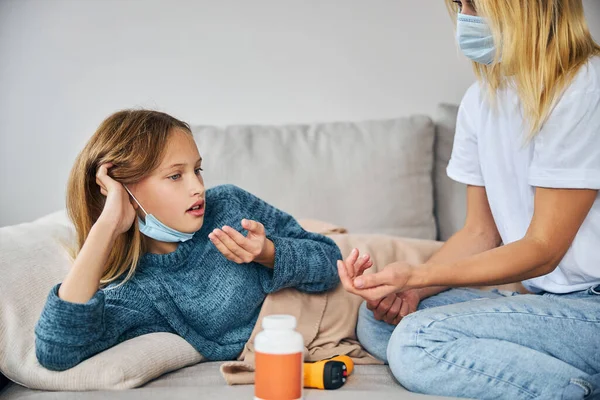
{"points": [[528, 147]]}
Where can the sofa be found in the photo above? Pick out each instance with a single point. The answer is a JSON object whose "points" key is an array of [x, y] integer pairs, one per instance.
{"points": [[373, 177]]}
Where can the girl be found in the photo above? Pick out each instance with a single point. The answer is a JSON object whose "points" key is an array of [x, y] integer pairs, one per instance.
{"points": [[528, 147], [159, 253]]}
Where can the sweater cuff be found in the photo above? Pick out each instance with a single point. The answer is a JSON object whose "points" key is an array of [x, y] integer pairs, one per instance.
{"points": [[283, 273], [71, 324]]}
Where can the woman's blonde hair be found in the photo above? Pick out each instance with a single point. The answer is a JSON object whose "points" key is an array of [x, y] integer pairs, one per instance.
{"points": [[134, 141], [541, 44]]}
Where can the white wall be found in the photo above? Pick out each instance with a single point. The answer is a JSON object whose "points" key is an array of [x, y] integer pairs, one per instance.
{"points": [[67, 64]]}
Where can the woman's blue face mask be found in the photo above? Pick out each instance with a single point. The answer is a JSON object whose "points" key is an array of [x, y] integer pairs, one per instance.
{"points": [[475, 39]]}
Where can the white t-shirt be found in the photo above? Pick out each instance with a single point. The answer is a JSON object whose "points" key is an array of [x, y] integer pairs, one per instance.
{"points": [[491, 150]]}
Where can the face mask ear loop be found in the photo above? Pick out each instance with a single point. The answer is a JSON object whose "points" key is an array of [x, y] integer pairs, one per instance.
{"points": [[138, 203]]}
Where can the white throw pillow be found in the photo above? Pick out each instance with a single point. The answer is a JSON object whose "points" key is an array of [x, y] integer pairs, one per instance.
{"points": [[33, 258]]}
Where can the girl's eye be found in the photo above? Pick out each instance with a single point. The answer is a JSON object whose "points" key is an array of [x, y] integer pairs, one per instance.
{"points": [[175, 177], [198, 170]]}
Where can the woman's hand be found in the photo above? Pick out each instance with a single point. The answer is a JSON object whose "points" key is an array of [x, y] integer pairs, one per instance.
{"points": [[118, 212], [392, 279], [245, 249], [394, 307], [355, 266]]}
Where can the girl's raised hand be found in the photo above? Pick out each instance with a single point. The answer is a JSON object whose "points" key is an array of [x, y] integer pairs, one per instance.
{"points": [[237, 247]]}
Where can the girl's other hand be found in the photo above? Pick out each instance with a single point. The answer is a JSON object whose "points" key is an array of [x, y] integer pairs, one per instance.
{"points": [[118, 212]]}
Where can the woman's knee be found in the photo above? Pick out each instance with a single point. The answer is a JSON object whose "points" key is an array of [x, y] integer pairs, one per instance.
{"points": [[364, 325], [365, 320], [408, 360], [372, 334]]}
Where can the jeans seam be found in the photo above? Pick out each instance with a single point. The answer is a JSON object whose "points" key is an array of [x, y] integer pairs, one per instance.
{"points": [[512, 312], [532, 395], [582, 384]]}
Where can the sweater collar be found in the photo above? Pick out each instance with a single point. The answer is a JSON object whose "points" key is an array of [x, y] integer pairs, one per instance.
{"points": [[176, 257]]}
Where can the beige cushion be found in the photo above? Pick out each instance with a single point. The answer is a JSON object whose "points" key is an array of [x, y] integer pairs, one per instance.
{"points": [[33, 260], [369, 177]]}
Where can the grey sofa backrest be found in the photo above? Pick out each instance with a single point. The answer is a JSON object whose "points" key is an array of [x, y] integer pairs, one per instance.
{"points": [[383, 176], [450, 197]]}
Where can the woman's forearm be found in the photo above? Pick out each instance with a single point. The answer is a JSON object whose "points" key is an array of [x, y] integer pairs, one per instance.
{"points": [[524, 259], [463, 244]]}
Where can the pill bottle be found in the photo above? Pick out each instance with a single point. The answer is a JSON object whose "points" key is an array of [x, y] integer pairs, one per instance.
{"points": [[279, 359]]}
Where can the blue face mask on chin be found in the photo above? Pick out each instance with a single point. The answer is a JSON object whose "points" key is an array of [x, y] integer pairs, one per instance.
{"points": [[475, 39], [156, 230]]}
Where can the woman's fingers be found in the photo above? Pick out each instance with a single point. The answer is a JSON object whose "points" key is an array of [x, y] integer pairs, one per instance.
{"points": [[373, 280], [371, 295], [383, 307], [376, 293], [360, 265], [394, 310], [344, 277], [373, 304], [396, 274], [365, 267], [349, 262], [405, 309]]}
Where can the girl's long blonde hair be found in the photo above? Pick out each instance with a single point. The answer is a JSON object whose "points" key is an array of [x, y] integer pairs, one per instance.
{"points": [[541, 44], [134, 141]]}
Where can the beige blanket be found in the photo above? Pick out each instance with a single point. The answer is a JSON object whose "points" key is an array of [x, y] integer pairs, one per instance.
{"points": [[327, 321]]}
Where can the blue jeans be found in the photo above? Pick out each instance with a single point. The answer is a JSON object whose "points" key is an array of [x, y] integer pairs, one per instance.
{"points": [[493, 345]]}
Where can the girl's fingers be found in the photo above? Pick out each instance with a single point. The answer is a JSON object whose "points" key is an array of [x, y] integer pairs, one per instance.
{"points": [[242, 254], [253, 226], [240, 239], [103, 169], [102, 178], [99, 183], [223, 249]]}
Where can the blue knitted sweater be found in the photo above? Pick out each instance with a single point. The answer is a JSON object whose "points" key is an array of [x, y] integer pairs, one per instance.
{"points": [[195, 292]]}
